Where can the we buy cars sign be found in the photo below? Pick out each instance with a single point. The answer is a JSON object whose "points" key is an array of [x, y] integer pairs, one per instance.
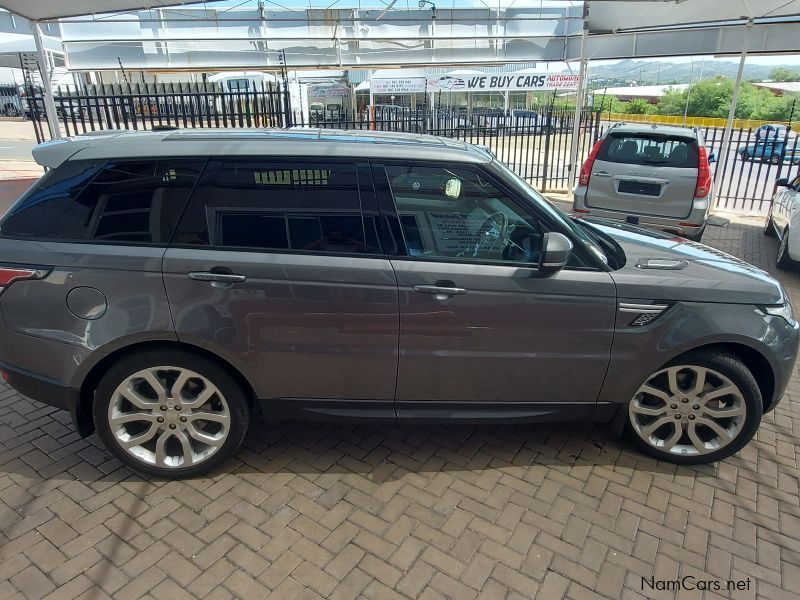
{"points": [[513, 81], [476, 83]]}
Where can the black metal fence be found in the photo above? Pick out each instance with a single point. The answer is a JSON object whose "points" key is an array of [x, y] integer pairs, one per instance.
{"points": [[535, 144], [757, 158], [145, 106]]}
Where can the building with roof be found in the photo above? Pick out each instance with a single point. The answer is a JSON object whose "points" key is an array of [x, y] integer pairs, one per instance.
{"points": [[779, 88]]}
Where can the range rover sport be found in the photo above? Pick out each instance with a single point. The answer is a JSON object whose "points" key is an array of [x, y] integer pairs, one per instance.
{"points": [[160, 285]]}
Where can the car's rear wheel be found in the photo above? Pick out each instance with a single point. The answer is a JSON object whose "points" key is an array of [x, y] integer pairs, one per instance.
{"points": [[783, 260], [170, 413], [695, 237], [701, 408]]}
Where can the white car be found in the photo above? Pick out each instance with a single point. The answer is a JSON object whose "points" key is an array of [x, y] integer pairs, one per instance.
{"points": [[784, 221]]}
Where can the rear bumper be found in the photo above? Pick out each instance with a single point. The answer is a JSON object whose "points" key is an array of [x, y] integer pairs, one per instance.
{"points": [[697, 217], [48, 391]]}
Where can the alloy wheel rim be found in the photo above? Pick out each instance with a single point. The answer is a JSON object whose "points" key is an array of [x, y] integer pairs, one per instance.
{"points": [[688, 410], [169, 417]]}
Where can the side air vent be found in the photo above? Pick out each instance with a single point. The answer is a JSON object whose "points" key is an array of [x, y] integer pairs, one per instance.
{"points": [[642, 314], [661, 264]]}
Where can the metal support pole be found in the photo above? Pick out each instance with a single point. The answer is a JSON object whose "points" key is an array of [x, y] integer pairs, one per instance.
{"points": [[49, 103], [722, 161], [576, 126]]}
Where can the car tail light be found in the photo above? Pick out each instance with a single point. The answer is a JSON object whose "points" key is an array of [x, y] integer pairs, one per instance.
{"points": [[581, 210], [9, 275], [586, 169], [703, 186]]}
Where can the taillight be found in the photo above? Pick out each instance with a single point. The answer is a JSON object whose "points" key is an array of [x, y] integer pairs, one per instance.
{"points": [[703, 186], [586, 169], [9, 275]]}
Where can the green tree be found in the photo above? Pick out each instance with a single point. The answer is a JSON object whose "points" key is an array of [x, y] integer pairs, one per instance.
{"points": [[672, 103], [784, 74], [638, 106], [712, 98]]}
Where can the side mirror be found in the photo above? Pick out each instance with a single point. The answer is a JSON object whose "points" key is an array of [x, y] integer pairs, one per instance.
{"points": [[782, 182], [556, 251], [712, 157]]}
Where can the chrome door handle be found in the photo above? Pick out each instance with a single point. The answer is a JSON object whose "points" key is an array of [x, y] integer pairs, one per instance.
{"points": [[439, 290], [601, 174], [216, 277]]}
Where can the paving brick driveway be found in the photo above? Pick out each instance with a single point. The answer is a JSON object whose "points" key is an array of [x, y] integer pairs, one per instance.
{"points": [[310, 511]]}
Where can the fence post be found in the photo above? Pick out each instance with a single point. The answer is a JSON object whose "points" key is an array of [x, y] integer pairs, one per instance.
{"points": [[546, 165], [596, 126]]}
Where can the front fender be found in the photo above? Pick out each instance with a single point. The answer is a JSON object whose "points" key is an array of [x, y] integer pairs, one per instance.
{"points": [[637, 352]]}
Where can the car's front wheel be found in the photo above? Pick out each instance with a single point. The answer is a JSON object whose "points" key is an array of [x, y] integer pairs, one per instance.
{"points": [[170, 413], [701, 408]]}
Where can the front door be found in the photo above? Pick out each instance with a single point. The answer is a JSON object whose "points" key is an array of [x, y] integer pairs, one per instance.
{"points": [[272, 269], [478, 322]]}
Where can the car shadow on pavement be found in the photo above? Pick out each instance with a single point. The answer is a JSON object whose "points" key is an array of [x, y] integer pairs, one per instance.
{"points": [[388, 452], [378, 452]]}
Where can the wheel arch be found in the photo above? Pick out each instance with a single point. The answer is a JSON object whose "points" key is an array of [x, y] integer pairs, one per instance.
{"points": [[83, 416], [755, 361]]}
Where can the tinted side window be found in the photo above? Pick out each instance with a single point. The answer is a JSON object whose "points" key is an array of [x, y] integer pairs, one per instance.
{"points": [[313, 207], [457, 214], [125, 201], [647, 149], [34, 214]]}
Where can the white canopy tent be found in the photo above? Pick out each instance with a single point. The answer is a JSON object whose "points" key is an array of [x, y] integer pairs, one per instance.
{"points": [[45, 10], [49, 10], [610, 28]]}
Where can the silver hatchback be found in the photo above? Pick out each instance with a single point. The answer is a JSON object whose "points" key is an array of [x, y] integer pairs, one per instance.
{"points": [[648, 175]]}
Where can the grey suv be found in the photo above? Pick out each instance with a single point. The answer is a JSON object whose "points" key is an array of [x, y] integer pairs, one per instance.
{"points": [[648, 175], [160, 286]]}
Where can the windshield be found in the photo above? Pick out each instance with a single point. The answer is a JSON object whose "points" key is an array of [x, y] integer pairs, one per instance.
{"points": [[588, 241], [649, 149]]}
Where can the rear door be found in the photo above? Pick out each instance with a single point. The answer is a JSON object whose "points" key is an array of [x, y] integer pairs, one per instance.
{"points": [[273, 269], [644, 174]]}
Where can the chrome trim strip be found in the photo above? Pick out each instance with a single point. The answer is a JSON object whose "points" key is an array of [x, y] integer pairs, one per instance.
{"points": [[642, 308]]}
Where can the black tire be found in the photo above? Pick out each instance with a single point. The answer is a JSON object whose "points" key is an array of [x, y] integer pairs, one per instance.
{"points": [[769, 226], [731, 367], [775, 159], [783, 260], [234, 395], [696, 237]]}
